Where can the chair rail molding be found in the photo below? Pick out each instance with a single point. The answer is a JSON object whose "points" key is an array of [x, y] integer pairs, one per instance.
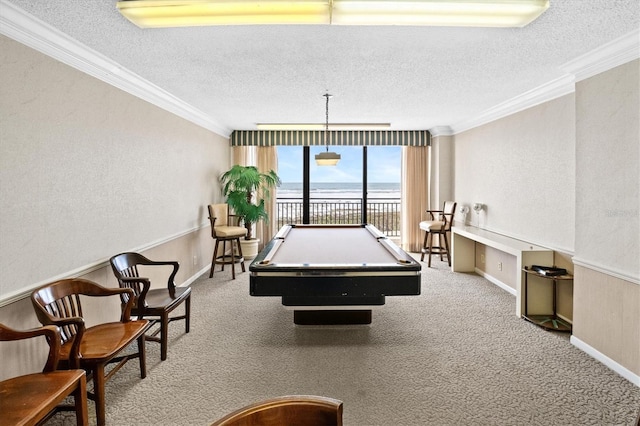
{"points": [[607, 270], [24, 28], [25, 292]]}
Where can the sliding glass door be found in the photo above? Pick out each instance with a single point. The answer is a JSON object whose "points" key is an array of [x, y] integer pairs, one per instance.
{"points": [[364, 187]]}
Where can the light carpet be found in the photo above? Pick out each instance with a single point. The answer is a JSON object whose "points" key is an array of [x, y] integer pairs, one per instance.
{"points": [[455, 355]]}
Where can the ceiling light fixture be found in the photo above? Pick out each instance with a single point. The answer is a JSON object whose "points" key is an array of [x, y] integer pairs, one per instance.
{"points": [[455, 13], [327, 158]]}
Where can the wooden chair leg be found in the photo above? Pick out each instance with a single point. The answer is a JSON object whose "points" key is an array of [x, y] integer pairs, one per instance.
{"points": [[80, 401], [98, 394], [424, 245], [233, 260], [240, 254], [430, 249], [213, 261], [164, 335], [224, 253], [142, 356], [187, 314], [446, 243]]}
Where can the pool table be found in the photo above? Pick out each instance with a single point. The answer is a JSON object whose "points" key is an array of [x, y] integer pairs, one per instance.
{"points": [[333, 274]]}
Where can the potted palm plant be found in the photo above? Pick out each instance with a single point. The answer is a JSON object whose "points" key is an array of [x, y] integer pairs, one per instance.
{"points": [[239, 185]]}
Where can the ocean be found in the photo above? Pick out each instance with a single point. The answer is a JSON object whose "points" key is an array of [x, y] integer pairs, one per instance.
{"points": [[342, 190]]}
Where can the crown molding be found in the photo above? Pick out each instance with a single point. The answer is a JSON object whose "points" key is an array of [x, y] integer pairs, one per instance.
{"points": [[544, 93], [22, 27], [441, 131], [610, 55]]}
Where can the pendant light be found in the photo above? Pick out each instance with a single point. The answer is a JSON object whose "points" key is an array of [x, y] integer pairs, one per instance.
{"points": [[327, 158]]}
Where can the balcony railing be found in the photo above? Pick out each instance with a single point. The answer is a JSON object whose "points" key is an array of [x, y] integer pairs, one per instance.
{"points": [[383, 213]]}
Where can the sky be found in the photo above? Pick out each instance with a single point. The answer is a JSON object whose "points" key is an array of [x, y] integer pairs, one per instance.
{"points": [[383, 164]]}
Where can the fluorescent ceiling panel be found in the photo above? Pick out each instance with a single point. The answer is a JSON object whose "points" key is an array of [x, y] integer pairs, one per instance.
{"points": [[477, 13]]}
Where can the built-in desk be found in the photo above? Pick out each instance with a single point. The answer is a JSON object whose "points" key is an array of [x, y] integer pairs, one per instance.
{"points": [[463, 259]]}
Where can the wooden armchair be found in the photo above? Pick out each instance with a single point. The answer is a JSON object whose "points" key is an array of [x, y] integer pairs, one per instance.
{"points": [[156, 303], [295, 410], [34, 398], [90, 348]]}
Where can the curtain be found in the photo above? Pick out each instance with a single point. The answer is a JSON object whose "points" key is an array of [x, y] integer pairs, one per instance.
{"points": [[243, 155], [267, 159], [414, 190]]}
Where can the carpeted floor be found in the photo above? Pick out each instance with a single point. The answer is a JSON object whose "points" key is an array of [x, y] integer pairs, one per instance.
{"points": [[455, 355]]}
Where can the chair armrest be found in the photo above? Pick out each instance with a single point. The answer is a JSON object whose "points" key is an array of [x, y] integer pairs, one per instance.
{"points": [[62, 324], [7, 334], [99, 291], [238, 219], [170, 282], [431, 212], [140, 293], [126, 309], [51, 333]]}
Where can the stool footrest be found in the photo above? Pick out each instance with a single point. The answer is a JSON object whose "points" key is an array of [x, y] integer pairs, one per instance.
{"points": [[227, 259]]}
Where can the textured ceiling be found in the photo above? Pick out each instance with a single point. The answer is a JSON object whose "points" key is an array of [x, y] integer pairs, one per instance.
{"points": [[412, 77]]}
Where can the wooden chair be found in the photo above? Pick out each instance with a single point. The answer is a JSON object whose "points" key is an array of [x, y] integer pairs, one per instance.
{"points": [[90, 348], [32, 399], [295, 410], [440, 225], [222, 231], [152, 303]]}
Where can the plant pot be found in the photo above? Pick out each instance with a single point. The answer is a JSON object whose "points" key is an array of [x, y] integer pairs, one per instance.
{"points": [[249, 248]]}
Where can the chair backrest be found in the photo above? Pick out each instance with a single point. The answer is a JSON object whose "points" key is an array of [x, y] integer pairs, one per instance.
{"points": [[125, 268], [125, 265], [305, 410], [59, 303], [449, 210], [219, 216], [49, 331]]}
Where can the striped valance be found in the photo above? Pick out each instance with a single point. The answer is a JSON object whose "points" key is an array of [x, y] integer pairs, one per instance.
{"points": [[342, 138]]}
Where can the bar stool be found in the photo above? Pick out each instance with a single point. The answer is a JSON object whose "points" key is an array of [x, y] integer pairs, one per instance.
{"points": [[222, 231], [440, 225]]}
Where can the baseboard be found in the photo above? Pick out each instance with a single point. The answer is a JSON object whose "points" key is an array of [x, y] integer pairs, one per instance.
{"points": [[613, 365], [495, 281]]}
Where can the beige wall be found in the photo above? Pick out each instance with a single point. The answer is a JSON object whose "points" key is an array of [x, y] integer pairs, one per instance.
{"points": [[522, 167], [565, 175], [88, 171], [607, 316], [607, 256]]}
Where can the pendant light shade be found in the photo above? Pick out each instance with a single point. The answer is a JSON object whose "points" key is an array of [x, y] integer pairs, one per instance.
{"points": [[327, 158]]}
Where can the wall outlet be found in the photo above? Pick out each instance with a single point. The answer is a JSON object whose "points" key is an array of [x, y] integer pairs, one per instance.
{"points": [[195, 260], [499, 266], [482, 258]]}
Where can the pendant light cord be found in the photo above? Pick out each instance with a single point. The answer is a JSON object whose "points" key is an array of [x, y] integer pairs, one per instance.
{"points": [[326, 129]]}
